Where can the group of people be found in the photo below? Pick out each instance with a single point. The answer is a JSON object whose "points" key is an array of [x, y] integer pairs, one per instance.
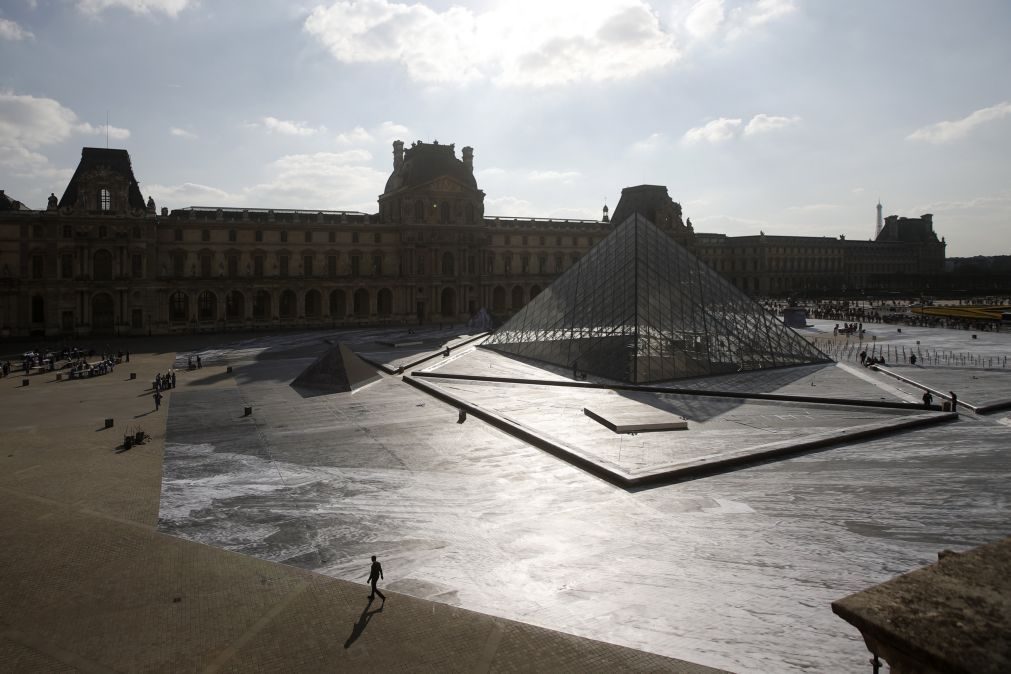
{"points": [[867, 361], [82, 368], [164, 381], [848, 329]]}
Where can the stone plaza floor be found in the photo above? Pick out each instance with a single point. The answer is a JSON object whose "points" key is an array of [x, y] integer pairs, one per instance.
{"points": [[733, 570]]}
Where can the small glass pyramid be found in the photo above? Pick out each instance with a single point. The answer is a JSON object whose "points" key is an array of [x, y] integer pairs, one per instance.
{"points": [[640, 308]]}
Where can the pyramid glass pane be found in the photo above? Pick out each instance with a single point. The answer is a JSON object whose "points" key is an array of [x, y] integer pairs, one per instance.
{"points": [[640, 308]]}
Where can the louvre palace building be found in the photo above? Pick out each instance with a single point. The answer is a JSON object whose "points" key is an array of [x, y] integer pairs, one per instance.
{"points": [[102, 259]]}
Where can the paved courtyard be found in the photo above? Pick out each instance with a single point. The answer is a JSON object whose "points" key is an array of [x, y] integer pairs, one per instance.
{"points": [[735, 570]]}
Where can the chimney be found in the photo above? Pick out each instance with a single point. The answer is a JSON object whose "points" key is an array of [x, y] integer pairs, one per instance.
{"points": [[398, 155], [468, 158]]}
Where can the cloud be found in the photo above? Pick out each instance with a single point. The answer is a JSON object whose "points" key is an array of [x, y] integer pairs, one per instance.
{"points": [[386, 132], [705, 18], [28, 123], [651, 143], [508, 206], [290, 128], [354, 136], [113, 132], [748, 18], [182, 133], [946, 132], [716, 131], [10, 30], [321, 180], [191, 194], [522, 43], [762, 123], [726, 128], [168, 7]]}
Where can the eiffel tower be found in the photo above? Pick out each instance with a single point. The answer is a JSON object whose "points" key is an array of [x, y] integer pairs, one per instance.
{"points": [[639, 308]]}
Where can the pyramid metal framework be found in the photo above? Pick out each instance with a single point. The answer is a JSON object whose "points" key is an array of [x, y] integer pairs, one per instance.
{"points": [[640, 308]]}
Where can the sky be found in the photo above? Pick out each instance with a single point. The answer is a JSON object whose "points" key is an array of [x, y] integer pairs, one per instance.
{"points": [[775, 116]]}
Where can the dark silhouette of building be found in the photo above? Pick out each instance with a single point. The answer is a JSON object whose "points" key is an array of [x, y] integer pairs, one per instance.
{"points": [[102, 260]]}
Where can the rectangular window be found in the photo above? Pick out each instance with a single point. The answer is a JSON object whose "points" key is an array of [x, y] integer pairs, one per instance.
{"points": [[66, 266], [507, 238], [542, 264], [354, 237], [258, 266], [259, 235], [307, 265], [282, 261], [524, 239], [205, 235], [178, 234], [355, 264], [205, 265], [421, 263], [308, 236], [233, 265], [331, 266], [284, 236], [38, 266], [233, 235], [331, 236], [137, 265], [38, 231], [378, 237], [178, 264], [471, 265], [68, 231], [377, 264]]}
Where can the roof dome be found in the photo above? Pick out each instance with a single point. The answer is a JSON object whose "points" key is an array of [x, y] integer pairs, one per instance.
{"points": [[424, 162]]}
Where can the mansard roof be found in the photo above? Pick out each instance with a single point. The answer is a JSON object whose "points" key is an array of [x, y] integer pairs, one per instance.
{"points": [[8, 204], [117, 161], [424, 162]]}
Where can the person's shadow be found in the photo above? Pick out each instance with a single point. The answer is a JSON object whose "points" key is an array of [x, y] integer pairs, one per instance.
{"points": [[363, 621]]}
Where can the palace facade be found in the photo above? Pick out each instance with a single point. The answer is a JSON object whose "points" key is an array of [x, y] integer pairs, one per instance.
{"points": [[102, 260]]}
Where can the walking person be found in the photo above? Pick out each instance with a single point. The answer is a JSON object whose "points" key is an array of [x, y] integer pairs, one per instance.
{"points": [[954, 401], [375, 573], [927, 399], [157, 400]]}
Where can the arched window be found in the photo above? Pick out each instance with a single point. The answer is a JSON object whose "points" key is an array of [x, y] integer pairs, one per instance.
{"points": [[261, 305], [312, 304], [288, 304], [419, 211], [444, 212], [518, 297], [179, 307], [102, 265], [361, 307], [234, 305], [104, 199], [448, 302], [384, 302], [38, 309], [448, 266], [338, 305], [207, 306]]}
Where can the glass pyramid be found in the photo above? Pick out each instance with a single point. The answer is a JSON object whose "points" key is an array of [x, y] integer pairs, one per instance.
{"points": [[640, 308]]}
